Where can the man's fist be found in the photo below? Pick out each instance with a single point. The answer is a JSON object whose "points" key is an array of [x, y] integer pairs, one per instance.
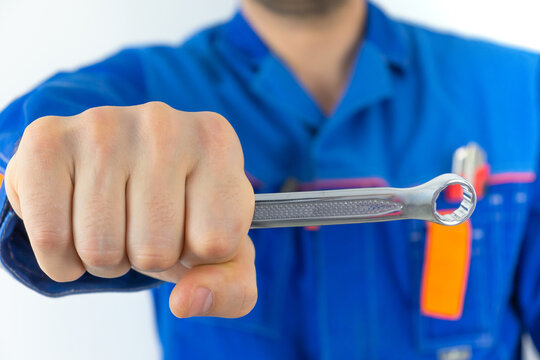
{"points": [[145, 187]]}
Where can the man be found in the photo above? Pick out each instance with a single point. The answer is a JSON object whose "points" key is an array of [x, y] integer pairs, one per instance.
{"points": [[133, 171]]}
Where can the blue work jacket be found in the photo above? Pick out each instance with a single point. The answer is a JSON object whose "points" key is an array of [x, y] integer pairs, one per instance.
{"points": [[346, 291]]}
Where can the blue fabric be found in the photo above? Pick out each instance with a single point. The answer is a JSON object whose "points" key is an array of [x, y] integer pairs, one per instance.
{"points": [[350, 291]]}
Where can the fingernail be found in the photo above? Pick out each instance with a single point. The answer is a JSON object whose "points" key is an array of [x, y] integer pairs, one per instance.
{"points": [[201, 302]]}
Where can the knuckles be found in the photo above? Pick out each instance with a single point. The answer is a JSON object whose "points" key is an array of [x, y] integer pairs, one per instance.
{"points": [[152, 259], [48, 240], [43, 136], [216, 135], [103, 130], [158, 125], [157, 107], [165, 130], [98, 257], [54, 241], [107, 129], [215, 248]]}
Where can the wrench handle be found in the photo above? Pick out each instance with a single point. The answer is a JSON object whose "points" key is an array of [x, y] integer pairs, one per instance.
{"points": [[332, 207]]}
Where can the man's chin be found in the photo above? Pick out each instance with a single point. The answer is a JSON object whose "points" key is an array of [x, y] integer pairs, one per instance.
{"points": [[302, 7]]}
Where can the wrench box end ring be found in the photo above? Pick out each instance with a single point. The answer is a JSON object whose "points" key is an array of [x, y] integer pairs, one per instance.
{"points": [[466, 207]]}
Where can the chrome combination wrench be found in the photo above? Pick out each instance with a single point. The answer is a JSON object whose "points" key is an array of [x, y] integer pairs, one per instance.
{"points": [[351, 206]]}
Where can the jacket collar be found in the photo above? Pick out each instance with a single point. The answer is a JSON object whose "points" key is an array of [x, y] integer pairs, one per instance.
{"points": [[384, 50]]}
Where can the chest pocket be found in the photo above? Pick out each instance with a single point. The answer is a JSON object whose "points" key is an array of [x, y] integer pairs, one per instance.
{"points": [[497, 227]]}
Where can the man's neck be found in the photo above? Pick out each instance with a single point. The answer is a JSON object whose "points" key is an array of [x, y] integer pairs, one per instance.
{"points": [[318, 49]]}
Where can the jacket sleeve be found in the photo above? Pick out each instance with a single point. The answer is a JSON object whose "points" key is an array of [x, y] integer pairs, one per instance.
{"points": [[117, 81], [527, 287], [528, 275]]}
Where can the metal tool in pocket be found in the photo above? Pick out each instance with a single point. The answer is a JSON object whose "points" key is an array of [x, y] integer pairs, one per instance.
{"points": [[332, 207], [470, 162]]}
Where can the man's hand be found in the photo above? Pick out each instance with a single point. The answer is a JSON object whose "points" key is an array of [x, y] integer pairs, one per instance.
{"points": [[144, 187]]}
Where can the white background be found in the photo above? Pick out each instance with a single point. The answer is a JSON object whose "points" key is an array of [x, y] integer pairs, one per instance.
{"points": [[38, 38]]}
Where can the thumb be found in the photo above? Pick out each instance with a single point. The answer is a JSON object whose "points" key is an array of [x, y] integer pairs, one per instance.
{"points": [[225, 290]]}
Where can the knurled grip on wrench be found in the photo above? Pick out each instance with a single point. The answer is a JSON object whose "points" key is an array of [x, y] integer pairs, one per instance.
{"points": [[351, 206]]}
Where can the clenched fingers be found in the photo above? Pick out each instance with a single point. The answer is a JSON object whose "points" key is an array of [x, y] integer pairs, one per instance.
{"points": [[219, 198], [40, 189]]}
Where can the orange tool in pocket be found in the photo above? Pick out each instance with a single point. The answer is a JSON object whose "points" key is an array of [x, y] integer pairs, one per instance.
{"points": [[446, 270]]}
